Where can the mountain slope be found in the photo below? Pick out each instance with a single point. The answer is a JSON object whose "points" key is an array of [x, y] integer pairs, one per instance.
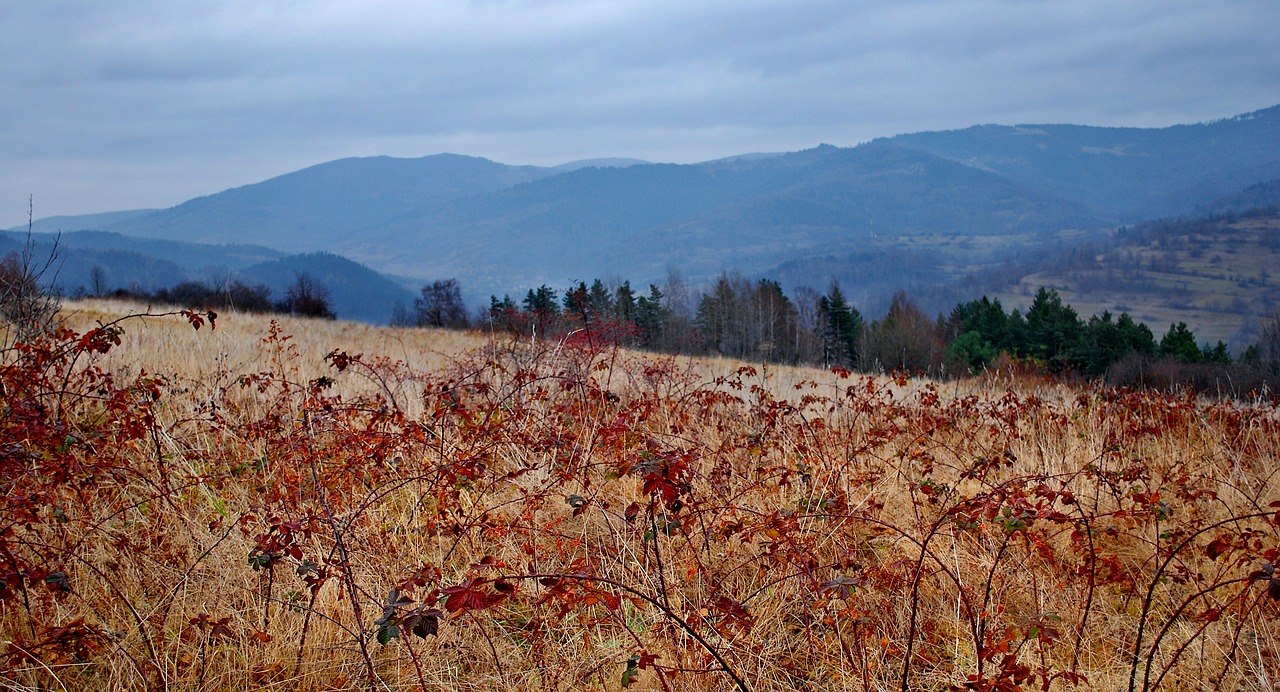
{"points": [[743, 214], [141, 264], [59, 224], [844, 197], [947, 202], [1215, 273], [1129, 173], [356, 292], [313, 208], [92, 262]]}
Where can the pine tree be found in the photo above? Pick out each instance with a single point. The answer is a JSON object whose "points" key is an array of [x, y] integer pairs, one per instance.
{"points": [[624, 303], [599, 299], [1179, 342], [540, 305], [577, 304], [842, 328], [652, 317], [1054, 330]]}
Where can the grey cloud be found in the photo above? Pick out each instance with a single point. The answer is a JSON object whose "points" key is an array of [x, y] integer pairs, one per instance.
{"points": [[235, 87]]}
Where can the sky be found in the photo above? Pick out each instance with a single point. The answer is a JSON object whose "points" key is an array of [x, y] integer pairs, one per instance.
{"points": [[147, 103]]}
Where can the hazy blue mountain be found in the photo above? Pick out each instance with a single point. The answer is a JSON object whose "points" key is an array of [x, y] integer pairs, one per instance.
{"points": [[597, 163], [951, 200], [132, 263], [356, 291], [56, 224], [67, 262], [68, 268], [574, 225], [191, 256], [743, 213], [1128, 173], [1264, 194], [313, 208]]}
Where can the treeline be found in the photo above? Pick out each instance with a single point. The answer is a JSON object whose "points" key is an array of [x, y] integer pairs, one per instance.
{"points": [[755, 320], [306, 297], [1123, 351]]}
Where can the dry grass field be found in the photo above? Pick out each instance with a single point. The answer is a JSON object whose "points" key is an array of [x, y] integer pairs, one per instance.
{"points": [[318, 505]]}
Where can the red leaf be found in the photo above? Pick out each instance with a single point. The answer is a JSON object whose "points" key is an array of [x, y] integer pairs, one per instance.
{"points": [[1218, 547], [471, 595]]}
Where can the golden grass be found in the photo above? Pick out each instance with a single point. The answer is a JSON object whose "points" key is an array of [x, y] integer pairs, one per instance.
{"points": [[804, 530]]}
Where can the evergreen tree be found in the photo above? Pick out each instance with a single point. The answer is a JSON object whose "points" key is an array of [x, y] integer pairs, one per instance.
{"points": [[577, 304], [1054, 331], [1180, 343], [1016, 340], [600, 299], [971, 350], [1101, 345], [505, 314], [1217, 355], [540, 305], [979, 330], [624, 303], [1137, 336], [651, 318], [986, 317], [841, 329]]}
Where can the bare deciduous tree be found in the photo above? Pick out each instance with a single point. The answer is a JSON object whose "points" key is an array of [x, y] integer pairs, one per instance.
{"points": [[440, 305], [25, 308], [1269, 342], [309, 297]]}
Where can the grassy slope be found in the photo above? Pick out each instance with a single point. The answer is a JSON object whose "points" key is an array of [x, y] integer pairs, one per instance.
{"points": [[1219, 277], [778, 522]]}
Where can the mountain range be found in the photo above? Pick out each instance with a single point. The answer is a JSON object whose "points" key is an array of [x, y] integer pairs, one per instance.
{"points": [[934, 206]]}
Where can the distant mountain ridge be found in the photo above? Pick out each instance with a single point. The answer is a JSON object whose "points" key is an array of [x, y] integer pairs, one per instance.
{"points": [[56, 224], [817, 212], [1126, 173], [314, 208], [704, 218]]}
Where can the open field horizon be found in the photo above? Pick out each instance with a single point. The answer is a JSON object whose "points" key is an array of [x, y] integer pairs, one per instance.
{"points": [[299, 504]]}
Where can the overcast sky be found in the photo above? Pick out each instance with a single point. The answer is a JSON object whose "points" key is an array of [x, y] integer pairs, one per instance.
{"points": [[124, 104]]}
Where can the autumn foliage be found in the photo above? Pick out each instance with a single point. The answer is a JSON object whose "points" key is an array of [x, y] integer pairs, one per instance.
{"points": [[567, 514]]}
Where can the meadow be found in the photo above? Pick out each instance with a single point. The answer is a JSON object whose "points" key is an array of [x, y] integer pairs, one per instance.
{"points": [[252, 503]]}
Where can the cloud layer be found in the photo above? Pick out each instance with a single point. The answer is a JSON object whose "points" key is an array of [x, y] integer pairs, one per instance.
{"points": [[149, 102]]}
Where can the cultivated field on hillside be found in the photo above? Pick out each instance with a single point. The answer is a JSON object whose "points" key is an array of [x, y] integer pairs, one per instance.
{"points": [[1214, 274], [316, 505]]}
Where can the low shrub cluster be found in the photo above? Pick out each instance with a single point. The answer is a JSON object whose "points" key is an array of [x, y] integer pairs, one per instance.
{"points": [[307, 297]]}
